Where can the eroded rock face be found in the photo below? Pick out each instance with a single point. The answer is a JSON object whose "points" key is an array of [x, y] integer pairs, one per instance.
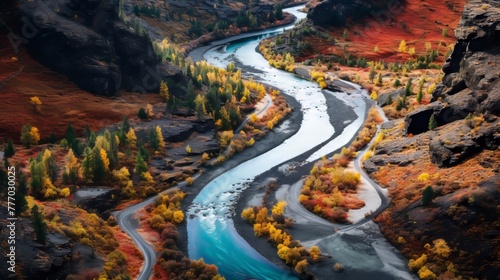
{"points": [[86, 41], [473, 64], [336, 12], [470, 88]]}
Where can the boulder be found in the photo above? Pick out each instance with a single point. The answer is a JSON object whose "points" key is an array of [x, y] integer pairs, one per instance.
{"points": [[417, 121], [457, 142], [383, 98]]}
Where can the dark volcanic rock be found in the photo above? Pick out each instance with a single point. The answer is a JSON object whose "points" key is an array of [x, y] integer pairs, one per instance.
{"points": [[473, 64], [384, 97], [457, 142], [417, 121], [87, 42], [336, 12]]}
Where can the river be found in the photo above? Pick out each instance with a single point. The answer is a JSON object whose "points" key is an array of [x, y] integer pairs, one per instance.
{"points": [[211, 231]]}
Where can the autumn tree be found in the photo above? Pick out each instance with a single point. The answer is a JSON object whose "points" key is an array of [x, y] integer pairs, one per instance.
{"points": [[301, 266], [159, 135], [50, 165], [402, 46], [164, 92], [71, 167], [39, 224], [315, 253], [200, 110], [37, 104], [29, 135], [131, 138]]}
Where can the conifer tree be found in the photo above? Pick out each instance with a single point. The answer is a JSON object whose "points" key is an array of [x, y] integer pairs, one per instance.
{"points": [[20, 195], [9, 150], [70, 133], [99, 164], [432, 122], [153, 139], [39, 224], [140, 164]]}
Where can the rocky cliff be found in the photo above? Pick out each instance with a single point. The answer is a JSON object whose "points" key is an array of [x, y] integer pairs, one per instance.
{"points": [[470, 89], [337, 12], [459, 159], [86, 41]]}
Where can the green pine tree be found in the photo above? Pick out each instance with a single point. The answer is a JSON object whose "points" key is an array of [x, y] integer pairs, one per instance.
{"points": [[88, 165], [153, 139], [140, 165], [408, 87], [20, 196], [39, 224], [427, 195], [70, 133], [36, 176], [9, 150], [142, 114], [372, 74], [432, 122], [99, 169]]}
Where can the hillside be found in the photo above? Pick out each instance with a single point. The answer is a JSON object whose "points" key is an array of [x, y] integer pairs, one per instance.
{"points": [[459, 159]]}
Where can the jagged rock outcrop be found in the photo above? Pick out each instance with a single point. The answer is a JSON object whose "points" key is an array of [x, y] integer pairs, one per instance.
{"points": [[86, 41], [337, 12], [470, 88]]}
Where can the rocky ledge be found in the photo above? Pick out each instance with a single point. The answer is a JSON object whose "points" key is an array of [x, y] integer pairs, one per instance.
{"points": [[86, 41], [337, 12]]}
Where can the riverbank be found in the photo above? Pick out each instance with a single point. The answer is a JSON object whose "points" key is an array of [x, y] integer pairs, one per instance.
{"points": [[286, 175], [271, 140]]}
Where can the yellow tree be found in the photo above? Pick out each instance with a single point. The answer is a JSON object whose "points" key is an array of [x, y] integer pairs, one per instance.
{"points": [[29, 135], [164, 92], [301, 266], [131, 138], [149, 111], [315, 252], [279, 208], [122, 176], [199, 102], [402, 46], [105, 159], [148, 178], [178, 216], [37, 104], [159, 135], [71, 168]]}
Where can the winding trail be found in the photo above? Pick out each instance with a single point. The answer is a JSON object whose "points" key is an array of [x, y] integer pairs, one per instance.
{"points": [[129, 224]]}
